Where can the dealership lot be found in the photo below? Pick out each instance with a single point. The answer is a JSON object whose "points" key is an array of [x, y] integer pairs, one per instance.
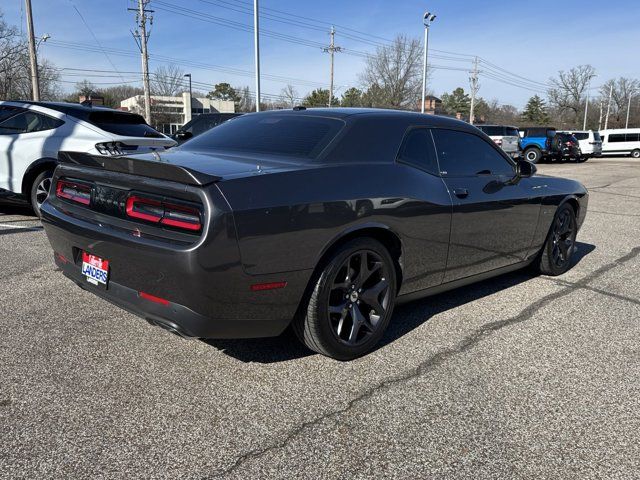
{"points": [[519, 376]]}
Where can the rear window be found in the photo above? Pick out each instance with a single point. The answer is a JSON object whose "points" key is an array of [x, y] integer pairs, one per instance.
{"points": [[581, 135], [290, 135], [511, 132], [539, 132], [493, 131], [596, 136], [121, 123]]}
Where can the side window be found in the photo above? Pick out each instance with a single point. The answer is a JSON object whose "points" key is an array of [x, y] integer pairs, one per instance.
{"points": [[28, 122], [6, 112], [465, 154], [616, 137], [633, 137], [417, 150]]}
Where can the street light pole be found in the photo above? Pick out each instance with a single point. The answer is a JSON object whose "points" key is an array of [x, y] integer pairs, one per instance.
{"points": [[628, 109], [427, 19], [190, 90], [586, 105], [256, 41]]}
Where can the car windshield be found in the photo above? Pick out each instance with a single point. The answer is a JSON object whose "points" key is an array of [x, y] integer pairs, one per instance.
{"points": [[121, 123], [293, 135], [596, 136]]}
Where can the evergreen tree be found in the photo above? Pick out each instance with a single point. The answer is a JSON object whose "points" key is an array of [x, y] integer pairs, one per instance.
{"points": [[456, 102], [318, 98], [535, 112], [352, 98]]}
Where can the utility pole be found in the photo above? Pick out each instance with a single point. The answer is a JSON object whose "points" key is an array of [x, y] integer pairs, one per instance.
{"points": [[600, 119], [332, 49], [35, 82], [256, 41], [628, 109], [475, 86], [586, 109], [141, 37], [606, 120]]}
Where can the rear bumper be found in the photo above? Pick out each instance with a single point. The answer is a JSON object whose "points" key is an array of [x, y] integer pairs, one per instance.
{"points": [[173, 316]]}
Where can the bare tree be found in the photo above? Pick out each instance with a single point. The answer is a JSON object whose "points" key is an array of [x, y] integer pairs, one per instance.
{"points": [[15, 70], [568, 91], [246, 103], [290, 96], [393, 76], [168, 81], [623, 89]]}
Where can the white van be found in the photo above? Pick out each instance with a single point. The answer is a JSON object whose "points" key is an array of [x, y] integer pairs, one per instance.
{"points": [[590, 142], [621, 141]]}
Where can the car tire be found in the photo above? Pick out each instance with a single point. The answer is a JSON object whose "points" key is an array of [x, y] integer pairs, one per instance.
{"points": [[40, 190], [555, 257], [349, 307], [533, 155], [635, 153]]}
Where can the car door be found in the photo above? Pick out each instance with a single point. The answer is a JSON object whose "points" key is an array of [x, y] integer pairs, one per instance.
{"points": [[494, 214], [24, 138], [7, 149]]}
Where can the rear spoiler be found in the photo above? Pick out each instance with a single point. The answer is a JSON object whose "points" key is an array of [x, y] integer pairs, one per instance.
{"points": [[137, 166]]}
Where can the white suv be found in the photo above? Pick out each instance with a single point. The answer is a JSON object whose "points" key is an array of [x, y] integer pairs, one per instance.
{"points": [[590, 143], [32, 134]]}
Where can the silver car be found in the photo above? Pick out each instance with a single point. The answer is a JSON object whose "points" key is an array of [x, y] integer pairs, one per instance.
{"points": [[505, 137]]}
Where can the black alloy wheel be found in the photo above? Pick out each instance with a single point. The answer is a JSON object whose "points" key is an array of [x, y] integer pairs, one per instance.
{"points": [[359, 297], [555, 258], [352, 301]]}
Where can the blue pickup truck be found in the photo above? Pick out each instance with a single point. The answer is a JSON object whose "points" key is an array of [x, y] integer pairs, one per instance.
{"points": [[538, 143]]}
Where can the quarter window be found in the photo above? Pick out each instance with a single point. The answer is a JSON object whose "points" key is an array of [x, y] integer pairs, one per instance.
{"points": [[28, 122], [417, 150], [464, 154]]}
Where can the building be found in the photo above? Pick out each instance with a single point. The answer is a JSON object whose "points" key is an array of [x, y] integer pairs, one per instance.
{"points": [[171, 113], [432, 105], [94, 99]]}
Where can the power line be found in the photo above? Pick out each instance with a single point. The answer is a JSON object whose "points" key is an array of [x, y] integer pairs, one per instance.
{"points": [[86, 24]]}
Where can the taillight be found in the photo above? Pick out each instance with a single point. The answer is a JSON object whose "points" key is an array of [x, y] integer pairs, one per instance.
{"points": [[498, 142], [110, 148], [184, 217], [74, 191]]}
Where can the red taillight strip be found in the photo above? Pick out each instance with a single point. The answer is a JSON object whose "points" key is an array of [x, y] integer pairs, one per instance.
{"points": [[133, 200], [78, 187], [154, 299]]}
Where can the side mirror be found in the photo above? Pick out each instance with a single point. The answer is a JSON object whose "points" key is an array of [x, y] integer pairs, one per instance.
{"points": [[525, 169]]}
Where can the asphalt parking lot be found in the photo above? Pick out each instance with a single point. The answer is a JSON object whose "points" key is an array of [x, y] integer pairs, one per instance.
{"points": [[516, 377]]}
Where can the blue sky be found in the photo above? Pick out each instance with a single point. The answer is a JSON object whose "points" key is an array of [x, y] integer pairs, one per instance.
{"points": [[531, 39]]}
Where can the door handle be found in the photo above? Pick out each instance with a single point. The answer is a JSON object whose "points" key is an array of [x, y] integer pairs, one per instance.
{"points": [[461, 192]]}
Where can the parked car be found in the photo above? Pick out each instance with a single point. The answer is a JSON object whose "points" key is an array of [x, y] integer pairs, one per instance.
{"points": [[505, 137], [253, 226], [590, 143], [539, 144], [569, 147], [621, 141], [200, 124], [32, 134]]}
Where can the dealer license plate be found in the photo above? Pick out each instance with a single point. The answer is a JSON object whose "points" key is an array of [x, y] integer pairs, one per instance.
{"points": [[95, 269]]}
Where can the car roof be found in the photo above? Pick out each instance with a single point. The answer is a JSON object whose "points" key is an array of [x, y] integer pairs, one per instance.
{"points": [[342, 113], [73, 109]]}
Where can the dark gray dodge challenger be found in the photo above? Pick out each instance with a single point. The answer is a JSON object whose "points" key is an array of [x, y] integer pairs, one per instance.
{"points": [[322, 219]]}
